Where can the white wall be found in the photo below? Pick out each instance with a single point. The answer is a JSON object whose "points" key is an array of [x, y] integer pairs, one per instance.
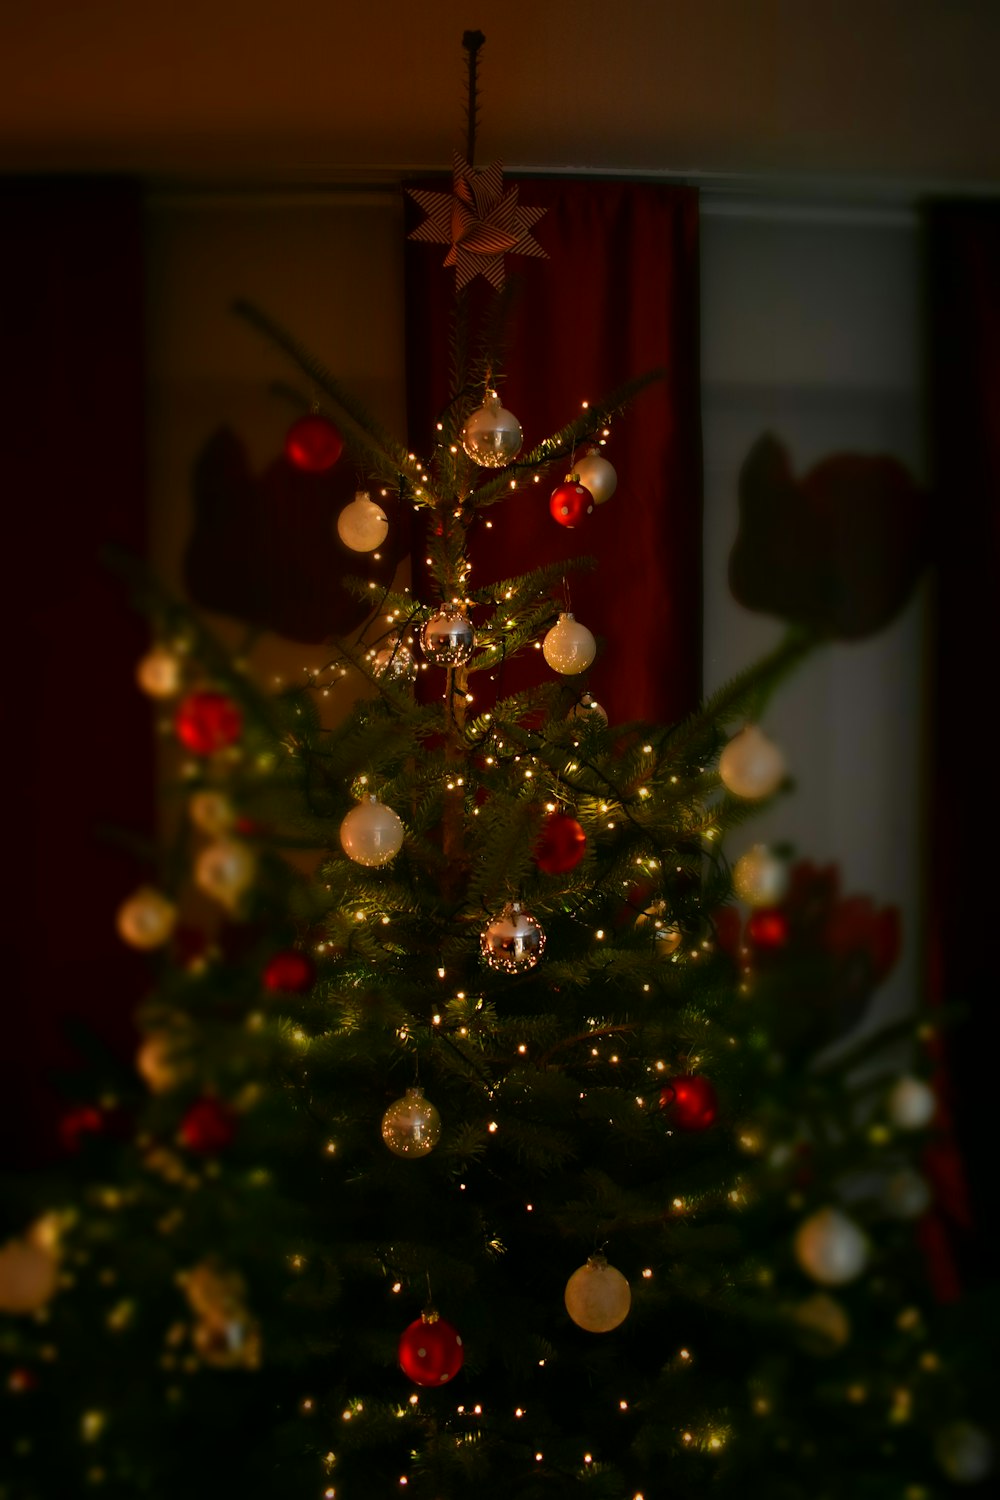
{"points": [[810, 330]]}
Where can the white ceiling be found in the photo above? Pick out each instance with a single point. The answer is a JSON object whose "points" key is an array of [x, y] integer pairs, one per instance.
{"points": [[900, 90]]}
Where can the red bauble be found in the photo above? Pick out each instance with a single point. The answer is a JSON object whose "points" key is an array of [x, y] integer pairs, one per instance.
{"points": [[208, 721], [570, 502], [209, 1126], [561, 844], [21, 1380], [768, 928], [691, 1100], [430, 1351], [313, 444], [77, 1124], [290, 972]]}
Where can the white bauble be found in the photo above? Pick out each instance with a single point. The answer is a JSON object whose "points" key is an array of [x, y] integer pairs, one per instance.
{"points": [[760, 878], [569, 646], [596, 475], [211, 811], [751, 765], [146, 919], [362, 525], [830, 1247], [911, 1104], [29, 1274], [965, 1452], [371, 834], [411, 1126], [492, 435], [224, 870], [597, 1296], [159, 673], [907, 1194]]}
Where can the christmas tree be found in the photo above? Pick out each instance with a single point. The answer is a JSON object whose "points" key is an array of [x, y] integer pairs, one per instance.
{"points": [[480, 1147]]}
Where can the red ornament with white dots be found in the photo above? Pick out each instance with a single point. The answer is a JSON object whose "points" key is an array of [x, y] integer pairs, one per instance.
{"points": [[561, 844], [570, 502], [289, 972], [430, 1350], [690, 1101], [313, 444], [208, 721]]}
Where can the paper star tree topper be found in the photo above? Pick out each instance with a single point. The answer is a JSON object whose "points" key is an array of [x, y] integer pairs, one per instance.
{"points": [[480, 220]]}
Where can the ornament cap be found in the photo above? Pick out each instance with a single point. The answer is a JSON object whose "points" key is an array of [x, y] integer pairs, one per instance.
{"points": [[430, 1315]]}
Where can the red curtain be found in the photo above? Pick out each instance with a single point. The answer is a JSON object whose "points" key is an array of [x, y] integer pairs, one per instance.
{"points": [[964, 426], [617, 296], [77, 745]]}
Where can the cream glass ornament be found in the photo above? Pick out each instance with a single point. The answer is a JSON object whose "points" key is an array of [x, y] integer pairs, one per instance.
{"points": [[512, 940], [587, 708], [394, 663], [822, 1323], [830, 1247], [492, 435], [911, 1104], [447, 639], [965, 1452], [211, 811], [668, 935], [760, 878], [147, 919], [371, 834], [597, 1296], [751, 765], [225, 870], [29, 1271], [569, 646], [159, 673], [411, 1126], [363, 525], [597, 475]]}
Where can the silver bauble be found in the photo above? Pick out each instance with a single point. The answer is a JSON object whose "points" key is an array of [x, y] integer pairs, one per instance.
{"points": [[512, 940], [911, 1104], [597, 475], [211, 811], [907, 1194], [751, 765], [394, 663], [411, 1126], [224, 870], [587, 709], [965, 1452], [492, 435], [597, 1296], [447, 639], [830, 1247]]}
